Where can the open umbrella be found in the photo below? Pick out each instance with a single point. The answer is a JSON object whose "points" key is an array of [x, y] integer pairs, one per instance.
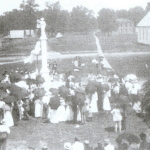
{"points": [[22, 94], [39, 92], [30, 81], [2, 77], [14, 89], [131, 138], [3, 94], [80, 98], [9, 99], [105, 87], [130, 77], [54, 91], [124, 100], [64, 91], [113, 80], [14, 77], [5, 85], [90, 88], [54, 102], [39, 79], [79, 90]]}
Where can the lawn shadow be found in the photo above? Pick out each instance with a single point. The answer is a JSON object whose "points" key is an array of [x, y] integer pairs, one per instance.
{"points": [[110, 129]]}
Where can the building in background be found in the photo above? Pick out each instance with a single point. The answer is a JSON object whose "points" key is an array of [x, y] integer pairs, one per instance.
{"points": [[125, 26], [143, 30], [19, 34]]}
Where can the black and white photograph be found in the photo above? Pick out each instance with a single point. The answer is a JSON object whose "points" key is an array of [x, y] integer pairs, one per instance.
{"points": [[74, 75]]}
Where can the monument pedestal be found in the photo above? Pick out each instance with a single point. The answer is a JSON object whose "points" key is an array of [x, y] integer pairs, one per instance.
{"points": [[44, 71]]}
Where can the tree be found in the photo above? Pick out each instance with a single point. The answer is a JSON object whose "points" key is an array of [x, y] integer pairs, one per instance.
{"points": [[63, 21], [122, 14], [136, 14], [148, 7], [107, 20], [82, 19], [145, 105], [29, 8], [52, 15]]}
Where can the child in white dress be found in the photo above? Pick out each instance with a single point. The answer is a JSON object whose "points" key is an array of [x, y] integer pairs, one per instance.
{"points": [[106, 102], [117, 118]]}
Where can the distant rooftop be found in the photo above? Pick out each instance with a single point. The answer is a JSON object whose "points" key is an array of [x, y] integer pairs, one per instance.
{"points": [[123, 20], [145, 22]]}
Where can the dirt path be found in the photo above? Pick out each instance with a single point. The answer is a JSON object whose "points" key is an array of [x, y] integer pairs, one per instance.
{"points": [[17, 59]]}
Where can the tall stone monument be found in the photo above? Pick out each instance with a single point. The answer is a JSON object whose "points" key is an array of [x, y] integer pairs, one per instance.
{"points": [[43, 41]]}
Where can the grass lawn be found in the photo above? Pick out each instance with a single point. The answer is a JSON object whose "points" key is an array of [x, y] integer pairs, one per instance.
{"points": [[68, 44], [73, 43], [122, 43], [76, 43], [123, 65], [34, 133]]}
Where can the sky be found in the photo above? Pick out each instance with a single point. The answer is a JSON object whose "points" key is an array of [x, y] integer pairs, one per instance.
{"points": [[95, 5]]}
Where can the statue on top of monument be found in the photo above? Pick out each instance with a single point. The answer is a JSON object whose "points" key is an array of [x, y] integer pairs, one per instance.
{"points": [[41, 25]]}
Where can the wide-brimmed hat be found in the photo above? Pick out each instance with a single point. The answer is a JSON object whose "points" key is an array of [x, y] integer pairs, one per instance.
{"points": [[67, 146], [106, 141], [86, 142]]}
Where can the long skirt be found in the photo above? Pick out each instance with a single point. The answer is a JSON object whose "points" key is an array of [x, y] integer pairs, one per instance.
{"points": [[8, 119], [69, 113], [93, 104], [78, 114], [106, 104], [61, 113], [38, 108], [53, 116]]}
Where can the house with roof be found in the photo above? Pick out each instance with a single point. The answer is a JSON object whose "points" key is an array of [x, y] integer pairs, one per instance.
{"points": [[19, 34], [143, 30], [125, 26]]}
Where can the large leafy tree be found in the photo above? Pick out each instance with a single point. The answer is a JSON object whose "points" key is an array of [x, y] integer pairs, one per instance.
{"points": [[122, 14], [29, 9], [56, 18], [136, 14], [82, 19], [107, 20], [148, 7]]}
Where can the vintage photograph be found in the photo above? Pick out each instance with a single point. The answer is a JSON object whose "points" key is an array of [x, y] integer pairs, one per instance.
{"points": [[74, 75]]}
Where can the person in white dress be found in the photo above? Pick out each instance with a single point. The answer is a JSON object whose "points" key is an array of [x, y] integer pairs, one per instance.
{"points": [[93, 103], [108, 145], [46, 100], [61, 112], [20, 108], [38, 108], [106, 102], [69, 112], [117, 118], [8, 119], [77, 145], [4, 131]]}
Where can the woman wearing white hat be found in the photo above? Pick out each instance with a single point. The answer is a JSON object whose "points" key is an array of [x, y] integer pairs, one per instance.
{"points": [[67, 146]]}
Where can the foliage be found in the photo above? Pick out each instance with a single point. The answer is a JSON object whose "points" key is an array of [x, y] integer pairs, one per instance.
{"points": [[148, 7], [57, 19], [107, 20], [146, 97], [136, 14], [122, 14], [82, 19]]}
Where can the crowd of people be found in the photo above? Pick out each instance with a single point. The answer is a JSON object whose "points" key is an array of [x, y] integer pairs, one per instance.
{"points": [[64, 97], [126, 141]]}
